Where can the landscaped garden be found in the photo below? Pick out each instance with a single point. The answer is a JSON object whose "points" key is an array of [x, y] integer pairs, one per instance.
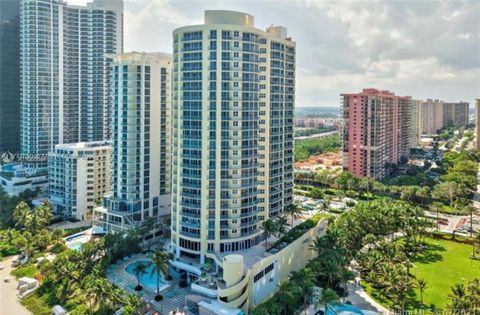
{"points": [[440, 264]]}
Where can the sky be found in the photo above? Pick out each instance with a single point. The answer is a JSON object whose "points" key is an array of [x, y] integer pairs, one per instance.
{"points": [[425, 49]]}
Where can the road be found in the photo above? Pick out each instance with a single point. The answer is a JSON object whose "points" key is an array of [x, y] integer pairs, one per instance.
{"points": [[317, 136], [9, 303]]}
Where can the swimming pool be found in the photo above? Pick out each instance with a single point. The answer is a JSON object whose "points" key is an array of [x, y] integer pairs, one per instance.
{"points": [[147, 279], [75, 245], [338, 308]]}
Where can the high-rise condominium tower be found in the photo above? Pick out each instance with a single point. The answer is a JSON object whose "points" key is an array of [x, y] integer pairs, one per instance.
{"points": [[140, 174], [477, 121], [233, 102], [64, 71], [417, 122], [9, 78], [455, 114], [376, 131]]}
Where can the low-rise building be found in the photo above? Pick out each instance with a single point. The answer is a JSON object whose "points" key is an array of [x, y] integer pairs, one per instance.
{"points": [[79, 177], [245, 279], [16, 179]]}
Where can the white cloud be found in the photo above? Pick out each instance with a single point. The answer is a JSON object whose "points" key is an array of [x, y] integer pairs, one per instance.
{"points": [[464, 35], [452, 16]]}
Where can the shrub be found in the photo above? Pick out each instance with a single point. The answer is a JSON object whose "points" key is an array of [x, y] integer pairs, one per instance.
{"points": [[58, 248], [25, 271], [351, 193], [350, 203], [330, 192]]}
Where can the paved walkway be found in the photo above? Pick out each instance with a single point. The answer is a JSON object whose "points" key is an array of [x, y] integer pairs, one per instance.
{"points": [[360, 299], [9, 303]]}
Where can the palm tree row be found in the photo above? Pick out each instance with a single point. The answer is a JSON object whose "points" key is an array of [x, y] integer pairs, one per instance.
{"points": [[85, 289], [365, 226], [276, 227]]}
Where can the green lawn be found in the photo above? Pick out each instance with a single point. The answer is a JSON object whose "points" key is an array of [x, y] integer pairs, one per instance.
{"points": [[443, 265], [36, 304]]}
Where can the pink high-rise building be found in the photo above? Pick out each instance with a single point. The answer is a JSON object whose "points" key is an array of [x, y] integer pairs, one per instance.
{"points": [[376, 131]]}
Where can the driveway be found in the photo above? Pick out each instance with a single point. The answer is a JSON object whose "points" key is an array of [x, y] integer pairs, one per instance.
{"points": [[9, 303]]}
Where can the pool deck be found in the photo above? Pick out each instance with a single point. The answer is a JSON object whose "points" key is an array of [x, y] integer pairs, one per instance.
{"points": [[173, 295]]}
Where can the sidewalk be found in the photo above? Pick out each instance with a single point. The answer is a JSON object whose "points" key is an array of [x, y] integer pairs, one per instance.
{"points": [[359, 299], [362, 300], [9, 303]]}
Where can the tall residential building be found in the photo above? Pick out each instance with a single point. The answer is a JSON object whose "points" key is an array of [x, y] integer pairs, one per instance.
{"points": [[455, 114], [79, 177], [432, 116], [478, 124], [141, 132], [9, 76], [438, 114], [416, 121], [376, 131], [233, 102], [64, 71]]}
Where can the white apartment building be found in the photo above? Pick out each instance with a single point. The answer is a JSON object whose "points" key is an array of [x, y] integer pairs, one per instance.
{"points": [[233, 102], [141, 160], [65, 71], [79, 177]]}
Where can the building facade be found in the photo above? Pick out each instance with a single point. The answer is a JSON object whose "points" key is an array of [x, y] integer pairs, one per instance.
{"points": [[376, 131], [432, 116], [437, 114], [478, 124], [9, 76], [233, 102], [64, 71], [141, 161], [455, 114], [79, 177], [417, 122]]}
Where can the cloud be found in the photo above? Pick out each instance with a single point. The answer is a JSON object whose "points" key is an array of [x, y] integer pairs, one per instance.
{"points": [[419, 48]]}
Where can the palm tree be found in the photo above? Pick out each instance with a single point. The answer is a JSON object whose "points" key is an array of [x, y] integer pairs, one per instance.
{"points": [[328, 296], [285, 295], [139, 270], [21, 215], [324, 206], [57, 235], [345, 276], [160, 259], [133, 302], [459, 297], [281, 226], [294, 212], [476, 242], [421, 285], [305, 290], [269, 227], [94, 290]]}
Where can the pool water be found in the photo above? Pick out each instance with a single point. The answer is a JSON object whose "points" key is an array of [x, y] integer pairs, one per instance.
{"points": [[147, 279], [338, 308], [75, 246]]}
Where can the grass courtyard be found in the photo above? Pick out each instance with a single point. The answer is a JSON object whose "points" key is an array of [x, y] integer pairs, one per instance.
{"points": [[442, 265]]}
